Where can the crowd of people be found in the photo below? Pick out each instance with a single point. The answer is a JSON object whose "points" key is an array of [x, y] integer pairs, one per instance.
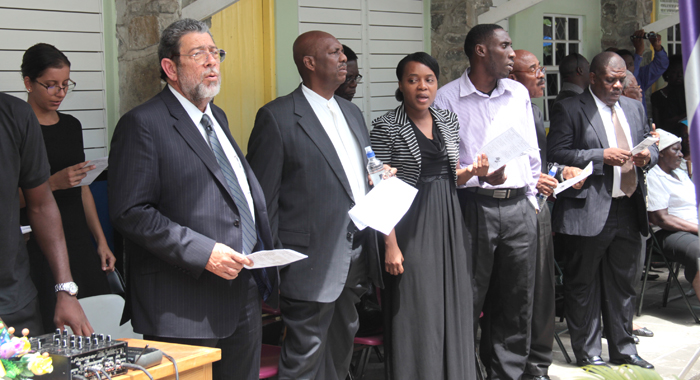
{"points": [[474, 253]]}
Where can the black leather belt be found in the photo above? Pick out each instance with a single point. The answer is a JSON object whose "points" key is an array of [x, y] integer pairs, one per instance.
{"points": [[498, 193]]}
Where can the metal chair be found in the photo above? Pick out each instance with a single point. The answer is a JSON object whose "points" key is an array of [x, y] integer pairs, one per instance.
{"points": [[269, 361], [673, 270]]}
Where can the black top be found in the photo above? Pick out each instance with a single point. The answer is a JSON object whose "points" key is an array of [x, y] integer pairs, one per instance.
{"points": [[64, 148], [541, 136], [434, 160], [24, 165]]}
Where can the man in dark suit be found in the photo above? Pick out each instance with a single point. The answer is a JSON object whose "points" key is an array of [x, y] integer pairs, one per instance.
{"points": [[602, 223], [574, 70], [307, 150], [191, 208]]}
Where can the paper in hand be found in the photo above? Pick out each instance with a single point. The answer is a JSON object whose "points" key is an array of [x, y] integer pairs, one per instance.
{"points": [[587, 171], [26, 229], [384, 206], [100, 165], [502, 149], [647, 142], [274, 258]]}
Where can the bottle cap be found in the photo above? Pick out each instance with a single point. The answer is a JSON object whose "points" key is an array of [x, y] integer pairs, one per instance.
{"points": [[369, 151]]}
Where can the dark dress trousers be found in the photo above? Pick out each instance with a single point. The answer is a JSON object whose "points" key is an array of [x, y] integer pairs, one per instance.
{"points": [[602, 234], [308, 196], [170, 200]]}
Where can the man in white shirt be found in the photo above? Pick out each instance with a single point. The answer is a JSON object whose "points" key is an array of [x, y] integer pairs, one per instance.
{"points": [[499, 209], [601, 224], [191, 209], [307, 150]]}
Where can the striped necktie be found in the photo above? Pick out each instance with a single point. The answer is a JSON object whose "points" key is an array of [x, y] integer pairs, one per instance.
{"points": [[628, 177], [249, 234]]}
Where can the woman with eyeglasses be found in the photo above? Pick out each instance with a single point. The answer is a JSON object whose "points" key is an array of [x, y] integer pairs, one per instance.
{"points": [[46, 73]]}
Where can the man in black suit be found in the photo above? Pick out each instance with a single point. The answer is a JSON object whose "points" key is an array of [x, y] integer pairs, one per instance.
{"points": [[574, 70], [191, 208], [307, 150], [602, 223]]}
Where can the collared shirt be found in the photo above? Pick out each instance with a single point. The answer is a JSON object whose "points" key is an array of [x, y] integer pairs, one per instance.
{"points": [[606, 114], [483, 118], [344, 141], [675, 194], [196, 116]]}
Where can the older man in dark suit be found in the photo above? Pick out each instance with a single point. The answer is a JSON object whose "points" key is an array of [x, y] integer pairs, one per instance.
{"points": [[307, 150], [190, 208], [602, 223]]}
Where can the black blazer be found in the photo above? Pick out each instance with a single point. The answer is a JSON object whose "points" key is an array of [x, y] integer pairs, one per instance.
{"points": [[576, 137], [308, 195], [169, 198], [395, 143]]}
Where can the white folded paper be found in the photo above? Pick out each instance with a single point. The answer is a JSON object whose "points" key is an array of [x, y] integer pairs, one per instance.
{"points": [[100, 165], [274, 258], [647, 142], [587, 171], [26, 229], [384, 206], [507, 146]]}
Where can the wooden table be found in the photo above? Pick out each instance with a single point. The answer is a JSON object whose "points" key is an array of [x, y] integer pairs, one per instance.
{"points": [[193, 362]]}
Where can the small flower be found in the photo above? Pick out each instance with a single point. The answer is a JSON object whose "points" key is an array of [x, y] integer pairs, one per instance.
{"points": [[40, 364]]}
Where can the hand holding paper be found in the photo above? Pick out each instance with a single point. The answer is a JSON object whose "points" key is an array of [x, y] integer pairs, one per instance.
{"points": [[507, 146], [647, 142], [100, 165], [587, 171], [273, 258], [384, 206]]}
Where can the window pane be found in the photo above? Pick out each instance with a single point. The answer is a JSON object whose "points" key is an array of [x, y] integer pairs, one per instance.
{"points": [[679, 49], [550, 103], [552, 85], [560, 26], [547, 28], [678, 32], [669, 51], [573, 29], [560, 53], [573, 48], [547, 54], [669, 33]]}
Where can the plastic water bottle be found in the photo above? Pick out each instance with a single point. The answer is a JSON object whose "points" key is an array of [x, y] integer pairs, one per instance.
{"points": [[541, 198], [375, 167]]}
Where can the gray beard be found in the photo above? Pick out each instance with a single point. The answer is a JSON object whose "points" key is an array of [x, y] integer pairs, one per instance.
{"points": [[198, 92]]}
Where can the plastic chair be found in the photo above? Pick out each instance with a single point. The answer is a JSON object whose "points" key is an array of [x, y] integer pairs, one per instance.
{"points": [[655, 247], [269, 361], [104, 313]]}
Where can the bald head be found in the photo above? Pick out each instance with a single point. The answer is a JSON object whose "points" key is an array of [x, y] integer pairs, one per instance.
{"points": [[607, 75], [523, 59], [606, 59], [320, 60], [528, 72]]}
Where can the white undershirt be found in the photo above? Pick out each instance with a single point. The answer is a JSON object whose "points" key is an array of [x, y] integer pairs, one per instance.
{"points": [[606, 114], [196, 116], [344, 141]]}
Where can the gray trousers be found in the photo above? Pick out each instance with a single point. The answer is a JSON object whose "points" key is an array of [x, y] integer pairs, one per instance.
{"points": [[503, 245], [319, 339]]}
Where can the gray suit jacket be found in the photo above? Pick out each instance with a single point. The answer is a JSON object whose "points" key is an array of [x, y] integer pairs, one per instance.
{"points": [[308, 195], [169, 198], [576, 137]]}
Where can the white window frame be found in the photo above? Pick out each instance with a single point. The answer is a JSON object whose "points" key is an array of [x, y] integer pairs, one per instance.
{"points": [[673, 40], [554, 67]]}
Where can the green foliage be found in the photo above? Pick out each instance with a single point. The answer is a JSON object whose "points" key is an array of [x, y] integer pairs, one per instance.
{"points": [[623, 372]]}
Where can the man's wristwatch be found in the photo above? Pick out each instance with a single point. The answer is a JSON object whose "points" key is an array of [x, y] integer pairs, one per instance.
{"points": [[68, 287]]}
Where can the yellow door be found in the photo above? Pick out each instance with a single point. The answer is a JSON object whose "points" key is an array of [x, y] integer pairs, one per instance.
{"points": [[246, 31]]}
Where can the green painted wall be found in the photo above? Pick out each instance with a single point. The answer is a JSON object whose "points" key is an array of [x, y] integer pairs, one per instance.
{"points": [[525, 28], [109, 17], [286, 31]]}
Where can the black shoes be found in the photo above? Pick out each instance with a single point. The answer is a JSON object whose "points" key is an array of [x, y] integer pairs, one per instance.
{"points": [[632, 360], [636, 339], [594, 360], [643, 331], [543, 377]]}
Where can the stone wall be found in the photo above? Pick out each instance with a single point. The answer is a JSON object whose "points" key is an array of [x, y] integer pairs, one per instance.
{"points": [[450, 22], [621, 18]]}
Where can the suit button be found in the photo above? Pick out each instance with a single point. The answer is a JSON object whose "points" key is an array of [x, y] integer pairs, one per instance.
{"points": [[352, 204], [349, 236], [236, 223]]}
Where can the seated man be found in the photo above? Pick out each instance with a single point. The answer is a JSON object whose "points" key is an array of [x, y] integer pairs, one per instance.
{"points": [[672, 207]]}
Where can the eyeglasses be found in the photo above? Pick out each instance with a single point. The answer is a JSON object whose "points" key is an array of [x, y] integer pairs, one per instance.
{"points": [[357, 79], [533, 70], [55, 89], [201, 56]]}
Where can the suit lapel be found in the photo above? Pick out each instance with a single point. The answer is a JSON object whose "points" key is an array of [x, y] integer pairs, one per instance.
{"points": [[636, 133], [590, 109], [313, 128], [406, 131], [189, 132]]}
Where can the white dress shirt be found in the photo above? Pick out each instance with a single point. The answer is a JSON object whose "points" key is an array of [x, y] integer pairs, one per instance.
{"points": [[344, 141], [196, 116], [675, 194], [483, 118], [606, 114]]}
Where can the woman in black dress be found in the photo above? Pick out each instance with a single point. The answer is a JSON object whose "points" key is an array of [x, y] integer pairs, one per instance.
{"points": [[46, 73], [428, 296]]}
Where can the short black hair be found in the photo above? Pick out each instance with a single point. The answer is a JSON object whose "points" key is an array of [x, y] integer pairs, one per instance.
{"points": [[420, 57], [623, 52], [478, 35], [349, 53], [40, 57], [601, 61], [569, 64], [676, 59]]}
